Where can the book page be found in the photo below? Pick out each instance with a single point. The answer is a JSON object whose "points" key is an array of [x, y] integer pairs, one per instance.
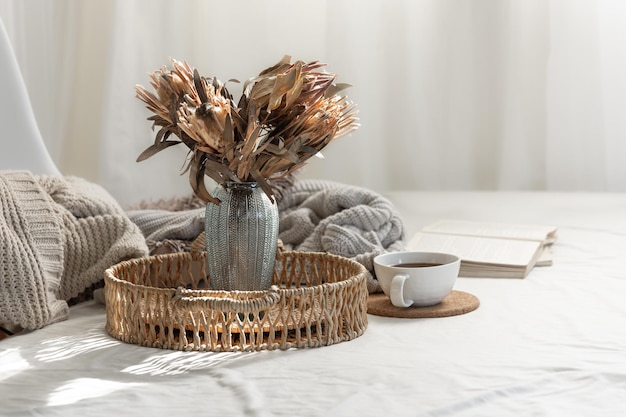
{"points": [[542, 233], [483, 250], [545, 257]]}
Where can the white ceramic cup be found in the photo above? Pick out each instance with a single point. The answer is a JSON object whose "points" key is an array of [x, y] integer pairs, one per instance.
{"points": [[416, 278]]}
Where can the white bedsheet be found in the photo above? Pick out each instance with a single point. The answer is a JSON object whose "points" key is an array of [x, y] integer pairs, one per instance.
{"points": [[552, 344]]}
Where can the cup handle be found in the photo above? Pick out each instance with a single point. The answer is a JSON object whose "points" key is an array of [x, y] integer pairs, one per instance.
{"points": [[396, 293]]}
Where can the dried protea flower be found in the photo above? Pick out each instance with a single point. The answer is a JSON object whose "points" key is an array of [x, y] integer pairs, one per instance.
{"points": [[205, 123], [286, 114]]}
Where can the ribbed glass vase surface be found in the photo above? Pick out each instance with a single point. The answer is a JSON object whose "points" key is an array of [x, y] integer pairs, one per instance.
{"points": [[241, 238]]}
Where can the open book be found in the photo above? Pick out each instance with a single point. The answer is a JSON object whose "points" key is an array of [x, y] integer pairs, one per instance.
{"points": [[495, 250]]}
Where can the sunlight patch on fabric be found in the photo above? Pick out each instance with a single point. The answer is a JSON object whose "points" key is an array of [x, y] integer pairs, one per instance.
{"points": [[84, 388], [67, 347], [14, 363]]}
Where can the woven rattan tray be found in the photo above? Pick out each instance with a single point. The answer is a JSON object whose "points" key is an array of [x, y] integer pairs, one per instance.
{"points": [[158, 301]]}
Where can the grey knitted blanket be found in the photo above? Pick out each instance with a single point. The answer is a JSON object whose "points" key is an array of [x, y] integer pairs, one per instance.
{"points": [[345, 220], [315, 216], [57, 236]]}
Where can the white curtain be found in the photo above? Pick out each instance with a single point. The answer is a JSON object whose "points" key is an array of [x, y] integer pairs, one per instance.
{"points": [[453, 94]]}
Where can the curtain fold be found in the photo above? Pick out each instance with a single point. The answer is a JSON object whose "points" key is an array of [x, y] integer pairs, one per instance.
{"points": [[453, 94]]}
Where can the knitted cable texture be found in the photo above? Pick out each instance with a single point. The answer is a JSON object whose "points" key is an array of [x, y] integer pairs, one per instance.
{"points": [[58, 235], [31, 254], [158, 225], [345, 220]]}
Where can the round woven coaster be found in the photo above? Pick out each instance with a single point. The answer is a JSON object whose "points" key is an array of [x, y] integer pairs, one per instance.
{"points": [[457, 302]]}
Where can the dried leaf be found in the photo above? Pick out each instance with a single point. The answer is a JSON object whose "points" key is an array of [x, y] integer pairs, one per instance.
{"points": [[262, 89], [162, 135], [334, 89], [197, 81], [229, 137], [293, 94], [218, 171], [284, 83], [277, 67], [196, 179], [153, 149], [256, 175]]}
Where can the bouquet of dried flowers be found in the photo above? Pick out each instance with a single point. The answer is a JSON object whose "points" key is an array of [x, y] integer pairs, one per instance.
{"points": [[285, 115]]}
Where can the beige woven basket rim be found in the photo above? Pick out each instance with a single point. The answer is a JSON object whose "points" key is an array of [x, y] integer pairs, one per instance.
{"points": [[110, 274], [314, 321]]}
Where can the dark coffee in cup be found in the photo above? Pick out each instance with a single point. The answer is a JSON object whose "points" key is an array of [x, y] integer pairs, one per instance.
{"points": [[408, 281], [415, 265]]}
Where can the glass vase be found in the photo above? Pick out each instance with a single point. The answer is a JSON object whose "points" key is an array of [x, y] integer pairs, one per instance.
{"points": [[241, 238]]}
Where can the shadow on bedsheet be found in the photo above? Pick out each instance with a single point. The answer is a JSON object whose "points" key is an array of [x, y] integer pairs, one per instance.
{"points": [[95, 346], [52, 375], [103, 383]]}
